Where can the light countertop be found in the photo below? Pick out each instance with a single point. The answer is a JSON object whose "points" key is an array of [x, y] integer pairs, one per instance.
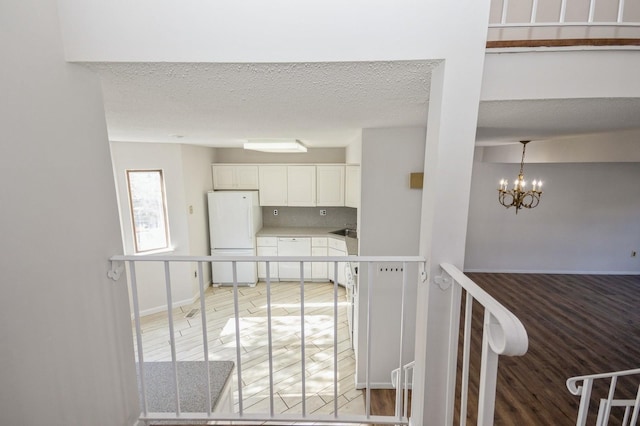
{"points": [[304, 231]]}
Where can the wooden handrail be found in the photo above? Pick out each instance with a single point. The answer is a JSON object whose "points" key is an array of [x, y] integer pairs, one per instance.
{"points": [[568, 42]]}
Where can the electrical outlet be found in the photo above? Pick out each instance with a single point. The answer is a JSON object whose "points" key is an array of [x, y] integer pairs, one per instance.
{"points": [[275, 212], [634, 253], [323, 212], [195, 274], [190, 209]]}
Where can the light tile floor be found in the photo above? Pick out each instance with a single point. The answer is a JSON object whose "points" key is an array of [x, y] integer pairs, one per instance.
{"points": [[286, 338]]}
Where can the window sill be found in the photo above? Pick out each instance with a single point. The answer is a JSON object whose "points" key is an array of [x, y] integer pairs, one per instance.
{"points": [[159, 251]]}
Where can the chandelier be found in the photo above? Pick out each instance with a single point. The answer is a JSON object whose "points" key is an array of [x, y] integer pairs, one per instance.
{"points": [[518, 196]]}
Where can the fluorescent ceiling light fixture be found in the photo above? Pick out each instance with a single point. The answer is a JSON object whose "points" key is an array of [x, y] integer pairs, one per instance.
{"points": [[276, 145]]}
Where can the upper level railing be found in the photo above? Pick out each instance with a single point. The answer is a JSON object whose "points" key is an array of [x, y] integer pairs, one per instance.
{"points": [[298, 326], [502, 334], [592, 22]]}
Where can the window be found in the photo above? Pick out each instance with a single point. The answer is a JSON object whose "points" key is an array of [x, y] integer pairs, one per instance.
{"points": [[148, 210]]}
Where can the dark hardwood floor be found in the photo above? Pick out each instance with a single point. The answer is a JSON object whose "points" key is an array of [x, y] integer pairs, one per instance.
{"points": [[577, 325], [383, 402]]}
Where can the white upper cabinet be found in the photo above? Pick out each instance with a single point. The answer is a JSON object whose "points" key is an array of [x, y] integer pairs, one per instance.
{"points": [[234, 176], [352, 186], [273, 185], [330, 185], [247, 177], [301, 186], [304, 185]]}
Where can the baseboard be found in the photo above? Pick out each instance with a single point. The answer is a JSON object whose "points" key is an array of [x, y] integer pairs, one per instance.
{"points": [[547, 271], [375, 385], [175, 305]]}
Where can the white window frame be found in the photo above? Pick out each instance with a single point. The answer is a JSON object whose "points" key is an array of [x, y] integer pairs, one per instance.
{"points": [[164, 217]]}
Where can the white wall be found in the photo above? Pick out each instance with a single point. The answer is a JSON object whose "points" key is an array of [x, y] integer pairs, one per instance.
{"points": [[66, 355], [150, 276], [544, 74], [196, 166], [389, 218], [588, 220], [390, 209], [278, 31], [353, 151]]}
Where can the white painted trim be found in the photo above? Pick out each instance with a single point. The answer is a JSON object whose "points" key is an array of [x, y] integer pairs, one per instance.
{"points": [[163, 308], [375, 385], [177, 304], [139, 423], [553, 271]]}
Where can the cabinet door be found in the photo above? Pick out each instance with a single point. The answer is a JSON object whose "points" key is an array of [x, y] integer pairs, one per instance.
{"points": [[223, 177], [319, 269], [352, 186], [262, 266], [342, 276], [301, 186], [234, 176], [273, 185], [246, 177], [330, 185], [340, 279]]}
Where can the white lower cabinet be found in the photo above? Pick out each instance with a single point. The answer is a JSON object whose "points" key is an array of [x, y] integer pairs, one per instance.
{"points": [[302, 246], [337, 248], [262, 266], [267, 246], [319, 270]]}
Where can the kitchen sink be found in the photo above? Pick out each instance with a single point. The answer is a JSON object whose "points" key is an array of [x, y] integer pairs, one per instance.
{"points": [[346, 232]]}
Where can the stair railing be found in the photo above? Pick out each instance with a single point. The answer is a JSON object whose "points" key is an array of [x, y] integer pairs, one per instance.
{"points": [[502, 335], [583, 385]]}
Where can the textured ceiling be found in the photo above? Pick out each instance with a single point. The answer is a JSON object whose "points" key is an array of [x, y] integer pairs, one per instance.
{"points": [[503, 121], [322, 104]]}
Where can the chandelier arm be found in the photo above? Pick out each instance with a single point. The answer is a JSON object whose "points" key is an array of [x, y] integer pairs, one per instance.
{"points": [[535, 201]]}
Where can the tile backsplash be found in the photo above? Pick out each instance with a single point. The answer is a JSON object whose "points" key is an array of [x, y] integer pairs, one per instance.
{"points": [[339, 217]]}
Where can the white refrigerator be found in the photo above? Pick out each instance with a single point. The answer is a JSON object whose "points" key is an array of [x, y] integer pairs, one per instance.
{"points": [[234, 219]]}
